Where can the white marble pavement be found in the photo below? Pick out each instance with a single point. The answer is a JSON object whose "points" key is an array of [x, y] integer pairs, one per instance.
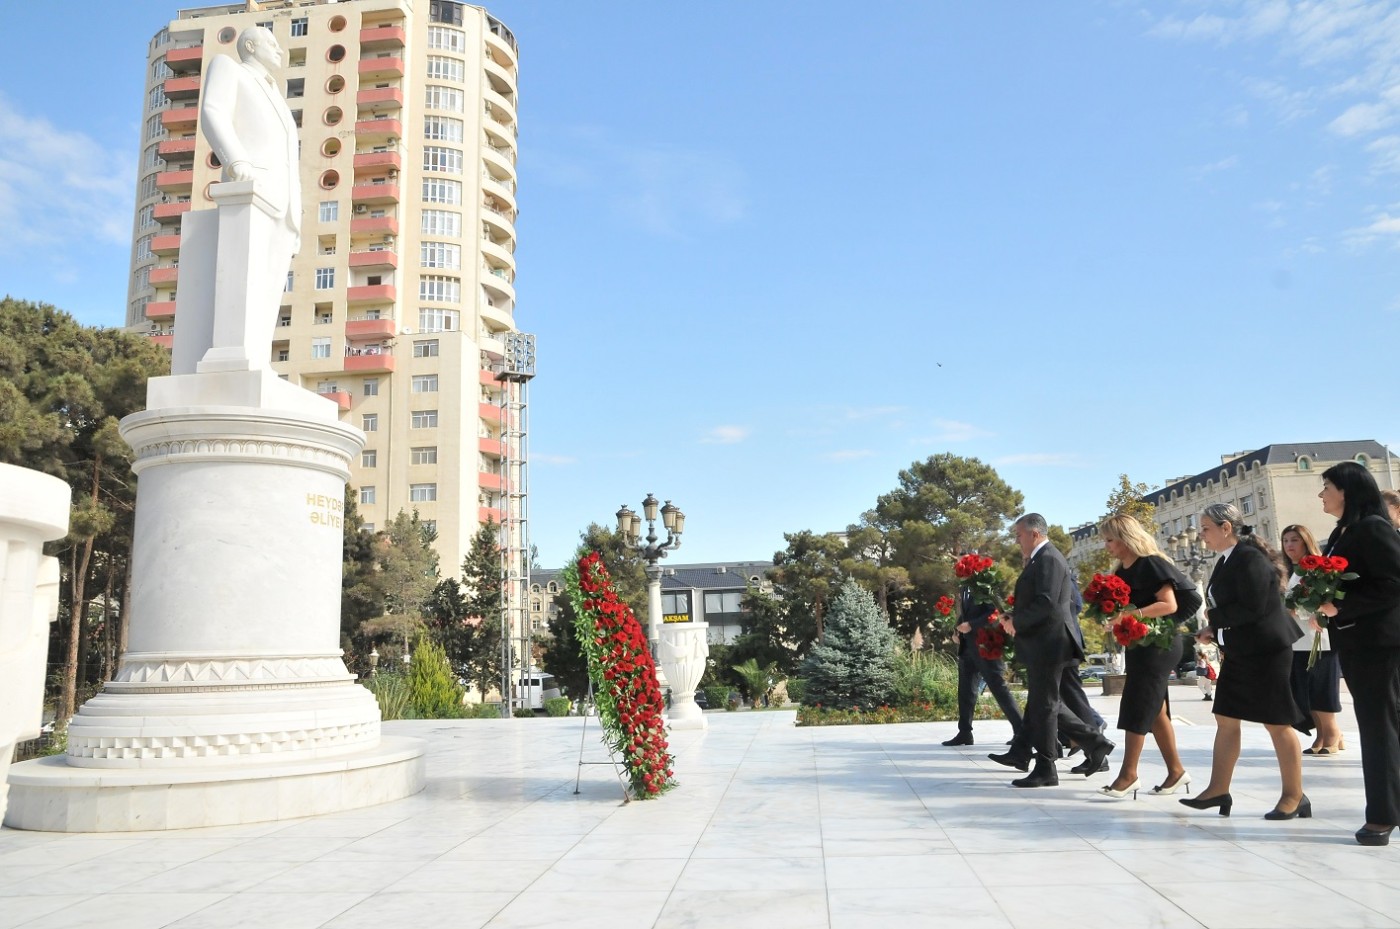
{"points": [[773, 826]]}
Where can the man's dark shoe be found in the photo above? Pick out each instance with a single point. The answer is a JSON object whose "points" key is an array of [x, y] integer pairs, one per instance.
{"points": [[1096, 756], [1083, 768], [962, 738], [1043, 776], [1011, 761]]}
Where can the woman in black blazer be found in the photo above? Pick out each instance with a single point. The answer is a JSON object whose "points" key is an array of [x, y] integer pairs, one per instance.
{"points": [[1244, 602], [1365, 632]]}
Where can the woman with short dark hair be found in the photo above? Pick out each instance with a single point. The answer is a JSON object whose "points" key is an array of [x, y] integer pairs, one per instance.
{"points": [[1365, 630]]}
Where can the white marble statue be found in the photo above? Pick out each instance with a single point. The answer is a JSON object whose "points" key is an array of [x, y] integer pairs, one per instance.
{"points": [[226, 322]]}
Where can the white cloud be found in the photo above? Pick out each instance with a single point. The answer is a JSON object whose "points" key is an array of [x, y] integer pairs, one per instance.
{"points": [[848, 454], [725, 435], [1039, 460], [1362, 119], [1224, 164], [950, 430], [546, 459]]}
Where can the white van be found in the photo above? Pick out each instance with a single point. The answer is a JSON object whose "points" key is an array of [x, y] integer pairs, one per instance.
{"points": [[535, 687]]}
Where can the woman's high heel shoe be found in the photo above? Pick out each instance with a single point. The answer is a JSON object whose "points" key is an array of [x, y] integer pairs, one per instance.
{"points": [[1108, 791], [1302, 811], [1368, 836], [1224, 801], [1181, 783]]}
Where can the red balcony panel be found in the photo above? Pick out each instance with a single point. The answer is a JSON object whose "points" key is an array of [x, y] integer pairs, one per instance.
{"points": [[166, 244], [489, 446], [383, 225], [380, 363], [370, 293], [160, 309], [381, 67], [179, 88], [185, 59], [182, 118], [383, 258], [371, 329], [488, 377], [489, 411], [174, 180], [369, 161], [382, 37], [489, 514], [488, 481], [375, 193], [171, 212], [166, 340], [341, 398], [175, 147], [165, 275], [370, 129], [379, 96]]}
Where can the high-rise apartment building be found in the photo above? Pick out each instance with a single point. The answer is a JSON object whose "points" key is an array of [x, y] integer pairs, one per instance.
{"points": [[400, 305]]}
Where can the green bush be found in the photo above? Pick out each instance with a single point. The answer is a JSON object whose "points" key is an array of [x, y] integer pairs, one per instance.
{"points": [[925, 677], [717, 695], [390, 688], [432, 688], [481, 711], [796, 689], [558, 706], [522, 712], [853, 665]]}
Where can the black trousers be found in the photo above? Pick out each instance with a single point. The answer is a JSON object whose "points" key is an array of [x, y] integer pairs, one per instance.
{"points": [[1373, 677], [971, 667], [1048, 715]]}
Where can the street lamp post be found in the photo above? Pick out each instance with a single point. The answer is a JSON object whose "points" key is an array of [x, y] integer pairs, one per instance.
{"points": [[1189, 551], [629, 526]]}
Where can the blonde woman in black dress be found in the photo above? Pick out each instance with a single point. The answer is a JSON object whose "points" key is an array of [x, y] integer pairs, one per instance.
{"points": [[1145, 706]]}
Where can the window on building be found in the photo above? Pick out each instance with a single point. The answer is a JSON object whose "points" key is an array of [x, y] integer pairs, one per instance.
{"points": [[439, 158], [441, 255], [1247, 504], [723, 604], [369, 422], [441, 190], [296, 87], [284, 354], [442, 129], [147, 190], [442, 222], [366, 496], [426, 455], [155, 129], [437, 319], [370, 387], [429, 527], [453, 40], [366, 527], [321, 348], [425, 383], [369, 458], [676, 604], [143, 248], [424, 419], [441, 289], [445, 69], [286, 289], [325, 278], [151, 158], [330, 211], [427, 348], [1304, 464], [448, 99], [422, 493], [1191, 522], [445, 11], [155, 100], [299, 26]]}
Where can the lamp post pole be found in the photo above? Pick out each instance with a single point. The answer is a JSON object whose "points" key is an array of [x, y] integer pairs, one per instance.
{"points": [[1191, 553], [629, 526]]}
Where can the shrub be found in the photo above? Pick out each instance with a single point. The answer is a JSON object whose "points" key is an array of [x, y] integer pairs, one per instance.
{"points": [[717, 696], [796, 688], [853, 665], [481, 711], [390, 688], [558, 706], [523, 712], [432, 688], [925, 677]]}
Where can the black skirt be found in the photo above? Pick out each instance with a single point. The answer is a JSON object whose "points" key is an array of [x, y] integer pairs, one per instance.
{"points": [[1256, 688], [1149, 669], [1318, 689]]}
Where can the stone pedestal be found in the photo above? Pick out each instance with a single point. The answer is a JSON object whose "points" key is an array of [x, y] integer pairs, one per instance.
{"points": [[233, 681], [33, 510], [683, 650]]}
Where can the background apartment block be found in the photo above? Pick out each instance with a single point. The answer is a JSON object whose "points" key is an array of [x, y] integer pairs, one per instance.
{"points": [[399, 303]]}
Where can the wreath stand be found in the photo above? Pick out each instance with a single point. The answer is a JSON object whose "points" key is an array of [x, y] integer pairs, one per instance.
{"points": [[612, 756]]}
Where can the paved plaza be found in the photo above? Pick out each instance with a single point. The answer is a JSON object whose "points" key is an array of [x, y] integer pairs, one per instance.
{"points": [[772, 826]]}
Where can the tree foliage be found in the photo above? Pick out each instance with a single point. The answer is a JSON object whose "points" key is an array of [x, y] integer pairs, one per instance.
{"points": [[478, 642], [433, 690], [853, 665]]}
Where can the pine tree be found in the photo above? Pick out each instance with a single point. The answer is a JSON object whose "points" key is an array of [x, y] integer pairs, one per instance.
{"points": [[432, 688], [480, 642], [853, 665]]}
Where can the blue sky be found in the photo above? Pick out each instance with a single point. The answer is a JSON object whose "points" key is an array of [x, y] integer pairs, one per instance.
{"points": [[776, 252]]}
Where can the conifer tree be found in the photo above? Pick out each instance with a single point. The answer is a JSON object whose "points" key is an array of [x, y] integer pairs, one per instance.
{"points": [[432, 688], [853, 665]]}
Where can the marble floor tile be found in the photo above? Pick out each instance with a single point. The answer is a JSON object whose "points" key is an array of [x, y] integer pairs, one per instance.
{"points": [[467, 876], [776, 875], [580, 910], [284, 911], [1293, 904], [18, 910], [460, 911], [898, 872], [130, 911], [744, 909], [965, 908]]}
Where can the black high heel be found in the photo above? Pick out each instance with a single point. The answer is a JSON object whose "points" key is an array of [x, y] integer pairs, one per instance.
{"points": [[1366, 836], [1302, 811], [1224, 801]]}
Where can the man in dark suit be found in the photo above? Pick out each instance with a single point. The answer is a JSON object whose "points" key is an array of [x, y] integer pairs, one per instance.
{"points": [[972, 667], [1045, 628]]}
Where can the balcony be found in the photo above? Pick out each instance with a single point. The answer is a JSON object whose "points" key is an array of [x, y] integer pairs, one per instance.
{"points": [[182, 88], [166, 244], [500, 107], [362, 329], [369, 293], [375, 193], [500, 158], [489, 481], [500, 73], [489, 412], [374, 225], [184, 60], [171, 212], [496, 282], [390, 98], [364, 361], [340, 397], [166, 339], [489, 446], [499, 252], [498, 316], [377, 162], [498, 189], [173, 147], [372, 259], [175, 182], [502, 44], [381, 37], [178, 120], [491, 346], [165, 275], [160, 309], [498, 219], [491, 514], [379, 69], [378, 130], [487, 377]]}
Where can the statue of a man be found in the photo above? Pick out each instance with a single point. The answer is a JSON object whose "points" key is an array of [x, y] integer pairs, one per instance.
{"points": [[250, 128]]}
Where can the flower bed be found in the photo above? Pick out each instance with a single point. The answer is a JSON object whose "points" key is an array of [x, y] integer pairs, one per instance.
{"points": [[913, 713]]}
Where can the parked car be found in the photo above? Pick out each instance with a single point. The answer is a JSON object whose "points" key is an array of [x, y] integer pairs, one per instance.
{"points": [[701, 700]]}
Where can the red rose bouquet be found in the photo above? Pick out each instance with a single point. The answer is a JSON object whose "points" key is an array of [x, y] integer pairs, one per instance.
{"points": [[1319, 581], [944, 606], [624, 677], [1131, 631], [1106, 594], [979, 576], [993, 643]]}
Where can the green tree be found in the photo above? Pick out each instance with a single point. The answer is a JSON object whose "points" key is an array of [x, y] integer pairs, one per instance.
{"points": [[361, 598], [406, 577], [1127, 498], [805, 576], [563, 656], [853, 665], [433, 690], [480, 642], [765, 637], [758, 680]]}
